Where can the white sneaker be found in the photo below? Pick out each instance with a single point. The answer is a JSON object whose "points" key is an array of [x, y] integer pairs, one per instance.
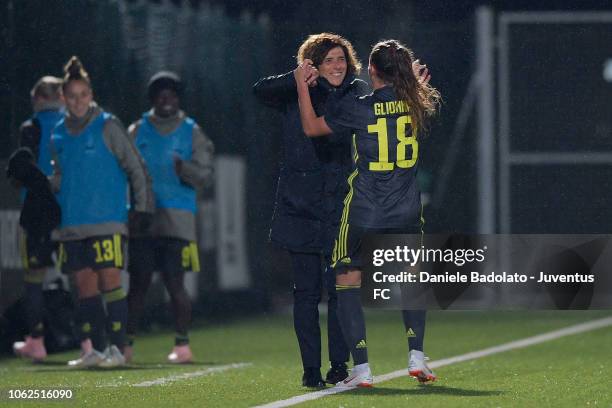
{"points": [[112, 358], [91, 359], [360, 376], [418, 369]]}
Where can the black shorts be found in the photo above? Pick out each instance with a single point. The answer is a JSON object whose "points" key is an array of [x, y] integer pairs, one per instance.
{"points": [[104, 251], [346, 255], [170, 255], [37, 251]]}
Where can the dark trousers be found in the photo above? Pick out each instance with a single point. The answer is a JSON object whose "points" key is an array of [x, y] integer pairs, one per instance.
{"points": [[309, 275]]}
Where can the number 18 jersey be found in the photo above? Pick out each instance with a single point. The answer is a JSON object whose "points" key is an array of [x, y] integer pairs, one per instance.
{"points": [[383, 187]]}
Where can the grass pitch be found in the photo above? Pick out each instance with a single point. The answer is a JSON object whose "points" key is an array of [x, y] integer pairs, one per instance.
{"points": [[256, 361]]}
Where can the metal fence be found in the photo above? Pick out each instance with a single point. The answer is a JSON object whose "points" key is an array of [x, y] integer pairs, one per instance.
{"points": [[555, 134]]}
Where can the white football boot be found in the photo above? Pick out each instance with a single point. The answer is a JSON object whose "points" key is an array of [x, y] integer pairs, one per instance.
{"points": [[418, 369], [90, 359], [112, 358], [360, 376]]}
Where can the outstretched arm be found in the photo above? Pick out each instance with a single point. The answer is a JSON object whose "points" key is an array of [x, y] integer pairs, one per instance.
{"points": [[312, 125]]}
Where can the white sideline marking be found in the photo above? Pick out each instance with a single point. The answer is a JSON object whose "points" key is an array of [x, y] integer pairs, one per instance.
{"points": [[526, 342], [186, 376]]}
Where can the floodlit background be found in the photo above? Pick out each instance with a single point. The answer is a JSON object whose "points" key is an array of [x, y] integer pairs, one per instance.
{"points": [[523, 142]]}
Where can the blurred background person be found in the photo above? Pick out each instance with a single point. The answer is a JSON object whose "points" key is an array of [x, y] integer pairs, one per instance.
{"points": [[94, 161], [36, 245], [179, 157]]}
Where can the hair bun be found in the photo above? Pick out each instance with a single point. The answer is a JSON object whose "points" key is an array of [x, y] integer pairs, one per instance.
{"points": [[73, 66], [74, 70]]}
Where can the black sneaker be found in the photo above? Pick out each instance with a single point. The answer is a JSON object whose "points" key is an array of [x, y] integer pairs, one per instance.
{"points": [[336, 373], [312, 378]]}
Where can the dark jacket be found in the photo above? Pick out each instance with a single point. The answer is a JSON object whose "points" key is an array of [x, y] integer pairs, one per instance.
{"points": [[40, 213], [313, 171]]}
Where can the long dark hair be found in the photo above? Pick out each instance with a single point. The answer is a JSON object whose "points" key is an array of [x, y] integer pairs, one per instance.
{"points": [[393, 63]]}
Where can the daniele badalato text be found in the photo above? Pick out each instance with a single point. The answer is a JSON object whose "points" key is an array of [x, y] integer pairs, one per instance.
{"points": [[459, 257]]}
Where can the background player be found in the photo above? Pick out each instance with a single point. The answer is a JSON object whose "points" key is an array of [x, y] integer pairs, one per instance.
{"points": [[179, 157], [384, 195], [37, 247], [94, 161], [310, 190]]}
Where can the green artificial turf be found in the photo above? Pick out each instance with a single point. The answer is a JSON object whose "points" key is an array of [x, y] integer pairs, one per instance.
{"points": [[570, 371]]}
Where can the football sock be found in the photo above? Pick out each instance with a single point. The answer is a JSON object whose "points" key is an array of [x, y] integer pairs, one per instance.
{"points": [[140, 281], [181, 305], [34, 304], [338, 351], [116, 308], [181, 339], [352, 322], [414, 322], [91, 318]]}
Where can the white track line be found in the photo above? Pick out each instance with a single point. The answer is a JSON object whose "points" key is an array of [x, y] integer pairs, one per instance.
{"points": [[194, 374], [526, 342]]}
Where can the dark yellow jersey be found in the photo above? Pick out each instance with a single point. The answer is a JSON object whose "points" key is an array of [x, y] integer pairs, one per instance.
{"points": [[383, 188]]}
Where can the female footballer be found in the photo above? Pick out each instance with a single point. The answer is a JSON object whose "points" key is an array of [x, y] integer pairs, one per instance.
{"points": [[179, 157], [94, 165], [383, 196], [37, 247]]}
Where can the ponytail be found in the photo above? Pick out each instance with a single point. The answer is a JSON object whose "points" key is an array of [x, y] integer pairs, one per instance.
{"points": [[393, 63], [73, 70]]}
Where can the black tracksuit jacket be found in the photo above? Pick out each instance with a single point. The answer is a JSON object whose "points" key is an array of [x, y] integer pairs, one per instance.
{"points": [[313, 175]]}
